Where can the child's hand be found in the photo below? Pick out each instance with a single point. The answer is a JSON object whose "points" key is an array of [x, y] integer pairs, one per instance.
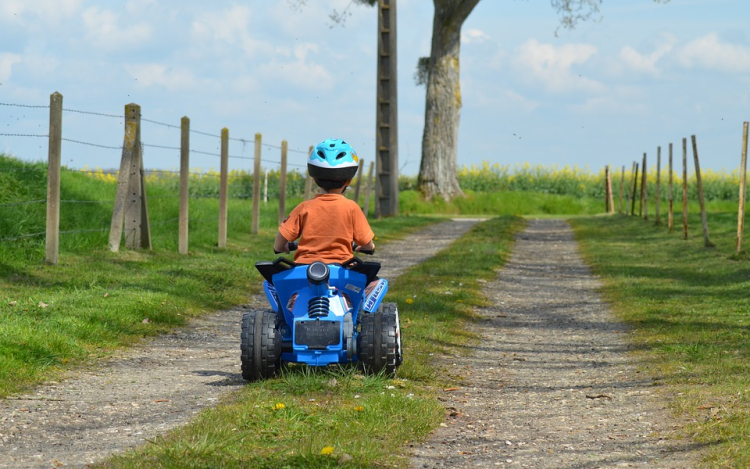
{"points": [[368, 248], [280, 244]]}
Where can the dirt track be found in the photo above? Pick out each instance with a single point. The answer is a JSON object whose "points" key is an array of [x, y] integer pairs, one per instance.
{"points": [[155, 386], [552, 384]]}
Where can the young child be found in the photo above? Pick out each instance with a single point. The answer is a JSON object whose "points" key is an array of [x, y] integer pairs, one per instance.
{"points": [[327, 224]]}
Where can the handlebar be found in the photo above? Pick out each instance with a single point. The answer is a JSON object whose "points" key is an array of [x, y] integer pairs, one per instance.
{"points": [[369, 252], [291, 246]]}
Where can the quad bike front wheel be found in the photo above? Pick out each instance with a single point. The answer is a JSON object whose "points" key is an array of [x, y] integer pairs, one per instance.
{"points": [[260, 345], [379, 340]]}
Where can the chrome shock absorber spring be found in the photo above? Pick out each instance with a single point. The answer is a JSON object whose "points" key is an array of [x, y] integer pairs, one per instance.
{"points": [[317, 307]]}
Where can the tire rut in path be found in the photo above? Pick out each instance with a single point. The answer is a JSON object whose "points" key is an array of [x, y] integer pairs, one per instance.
{"points": [[160, 384], [551, 385]]}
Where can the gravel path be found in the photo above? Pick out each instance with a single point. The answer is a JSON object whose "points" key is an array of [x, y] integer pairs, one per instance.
{"points": [[552, 384], [156, 386]]}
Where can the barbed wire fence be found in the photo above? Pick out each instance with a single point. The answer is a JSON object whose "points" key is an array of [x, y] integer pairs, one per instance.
{"points": [[241, 183]]}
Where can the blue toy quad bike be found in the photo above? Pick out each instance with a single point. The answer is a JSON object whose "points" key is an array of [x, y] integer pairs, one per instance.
{"points": [[321, 314]]}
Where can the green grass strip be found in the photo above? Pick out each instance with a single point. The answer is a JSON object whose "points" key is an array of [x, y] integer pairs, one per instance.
{"points": [[689, 307], [54, 318], [336, 417]]}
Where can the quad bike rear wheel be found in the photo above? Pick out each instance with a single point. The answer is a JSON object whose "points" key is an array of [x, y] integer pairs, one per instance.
{"points": [[260, 345], [379, 340]]}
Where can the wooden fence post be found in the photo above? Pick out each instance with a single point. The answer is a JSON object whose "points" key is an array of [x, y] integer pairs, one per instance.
{"points": [[256, 186], [644, 190], [684, 190], [131, 207], [368, 189], [622, 188], [635, 189], [223, 188], [630, 189], [743, 181], [670, 215], [308, 182], [282, 182], [606, 189], [145, 231], [611, 195], [308, 187], [657, 221], [704, 218], [53, 178], [610, 204], [265, 187], [184, 185], [135, 229], [132, 111], [359, 180]]}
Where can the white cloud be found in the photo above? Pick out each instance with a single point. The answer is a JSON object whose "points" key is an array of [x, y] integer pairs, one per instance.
{"points": [[612, 106], [709, 52], [149, 75], [6, 65], [647, 63], [103, 30], [229, 27], [40, 66], [474, 36], [136, 6], [300, 71], [31, 14], [551, 66]]}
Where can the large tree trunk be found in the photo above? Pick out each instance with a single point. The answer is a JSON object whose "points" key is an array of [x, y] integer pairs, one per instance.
{"points": [[437, 172]]}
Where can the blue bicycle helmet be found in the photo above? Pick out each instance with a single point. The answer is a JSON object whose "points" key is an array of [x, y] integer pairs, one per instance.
{"points": [[334, 160]]}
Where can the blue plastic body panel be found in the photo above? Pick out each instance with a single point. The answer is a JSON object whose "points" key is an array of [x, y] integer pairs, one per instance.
{"points": [[291, 293]]}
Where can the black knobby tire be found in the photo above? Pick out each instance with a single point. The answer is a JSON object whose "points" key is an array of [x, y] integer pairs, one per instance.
{"points": [[260, 345], [391, 309], [378, 345]]}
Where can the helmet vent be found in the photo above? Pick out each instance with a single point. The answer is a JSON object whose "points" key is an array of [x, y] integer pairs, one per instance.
{"points": [[321, 154], [341, 155]]}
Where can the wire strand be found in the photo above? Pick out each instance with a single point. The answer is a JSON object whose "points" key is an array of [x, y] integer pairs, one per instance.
{"points": [[29, 202]]}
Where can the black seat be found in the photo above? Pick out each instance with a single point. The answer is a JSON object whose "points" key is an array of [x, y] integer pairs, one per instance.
{"points": [[368, 268]]}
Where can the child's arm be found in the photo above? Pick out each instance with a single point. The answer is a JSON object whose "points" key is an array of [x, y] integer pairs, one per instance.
{"points": [[367, 247], [281, 244]]}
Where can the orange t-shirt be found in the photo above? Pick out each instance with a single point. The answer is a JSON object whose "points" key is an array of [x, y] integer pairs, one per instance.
{"points": [[326, 227]]}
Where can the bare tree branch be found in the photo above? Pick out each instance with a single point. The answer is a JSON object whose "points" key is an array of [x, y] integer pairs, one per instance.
{"points": [[340, 18]]}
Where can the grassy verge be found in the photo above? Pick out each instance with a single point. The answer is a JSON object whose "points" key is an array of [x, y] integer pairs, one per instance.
{"points": [[494, 203], [335, 417], [688, 306], [53, 318]]}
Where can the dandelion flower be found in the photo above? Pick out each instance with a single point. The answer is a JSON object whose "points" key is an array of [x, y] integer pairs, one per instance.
{"points": [[359, 408], [278, 406], [327, 450], [409, 301]]}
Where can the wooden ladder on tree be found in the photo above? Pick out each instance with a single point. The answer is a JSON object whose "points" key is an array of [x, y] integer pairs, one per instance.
{"points": [[386, 140]]}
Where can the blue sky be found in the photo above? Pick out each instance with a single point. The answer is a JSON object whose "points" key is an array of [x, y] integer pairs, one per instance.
{"points": [[642, 75]]}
